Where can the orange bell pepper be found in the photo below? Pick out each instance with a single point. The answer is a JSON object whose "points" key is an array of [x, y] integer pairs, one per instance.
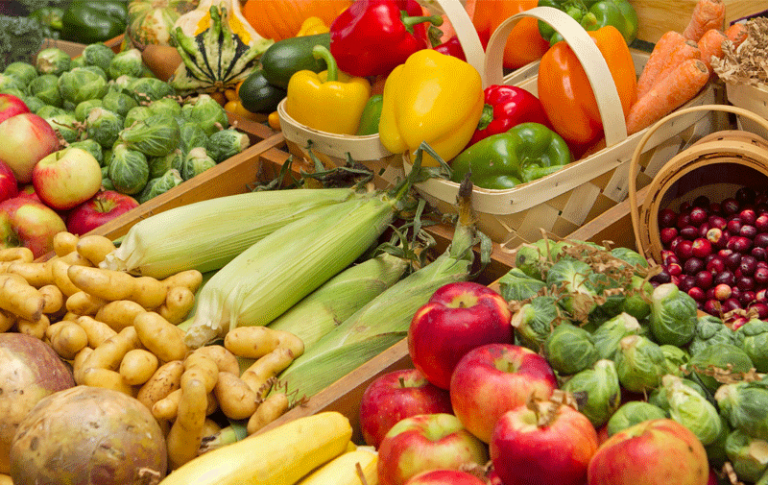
{"points": [[525, 44], [565, 92]]}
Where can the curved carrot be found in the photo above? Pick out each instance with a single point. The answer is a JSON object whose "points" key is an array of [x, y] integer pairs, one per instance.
{"points": [[679, 87], [737, 33], [685, 51], [666, 44], [711, 45], [707, 14]]}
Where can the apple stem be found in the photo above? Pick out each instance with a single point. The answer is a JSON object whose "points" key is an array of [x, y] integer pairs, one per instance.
{"points": [[401, 380]]}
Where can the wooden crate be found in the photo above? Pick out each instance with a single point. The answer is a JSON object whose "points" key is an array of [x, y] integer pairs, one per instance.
{"points": [[74, 49]]}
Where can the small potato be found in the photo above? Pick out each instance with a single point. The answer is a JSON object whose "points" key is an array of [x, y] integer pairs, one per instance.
{"points": [[70, 316], [272, 408], [64, 243], [59, 269], [116, 285], [162, 338], [190, 279], [225, 360], [20, 298], [211, 428], [35, 329], [259, 373], [178, 303], [166, 379], [107, 379], [82, 303], [77, 364], [37, 274], [138, 366], [110, 353], [236, 399], [202, 367], [21, 254], [167, 408], [54, 299], [94, 248], [187, 431], [7, 321], [119, 314], [96, 331], [67, 339], [251, 342]]}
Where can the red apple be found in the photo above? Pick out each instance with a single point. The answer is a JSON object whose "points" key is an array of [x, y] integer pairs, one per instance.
{"points": [[458, 317], [445, 477], [543, 442], [398, 395], [27, 191], [427, 442], [98, 210], [654, 452], [495, 378], [66, 178], [26, 139], [11, 105], [30, 224], [9, 188]]}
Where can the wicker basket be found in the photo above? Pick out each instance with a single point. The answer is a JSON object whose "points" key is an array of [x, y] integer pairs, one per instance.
{"points": [[334, 150], [561, 202], [716, 166]]}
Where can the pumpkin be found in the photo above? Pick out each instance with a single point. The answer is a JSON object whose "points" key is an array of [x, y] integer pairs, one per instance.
{"points": [[281, 19], [150, 21]]}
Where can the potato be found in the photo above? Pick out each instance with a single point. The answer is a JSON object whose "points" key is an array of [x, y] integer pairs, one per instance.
{"points": [[67, 339], [138, 366], [64, 243], [29, 371], [94, 248], [165, 380], [116, 441]]}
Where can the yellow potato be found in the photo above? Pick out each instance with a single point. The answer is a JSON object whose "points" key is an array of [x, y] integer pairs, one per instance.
{"points": [[16, 254], [138, 366], [77, 364], [7, 320], [119, 314], [94, 248], [187, 431], [190, 279], [82, 303], [160, 337], [54, 299], [20, 298], [59, 269], [108, 379], [64, 243], [201, 367], [67, 339], [110, 353], [236, 399], [179, 301], [166, 379], [256, 342], [116, 285], [35, 329], [272, 408], [225, 360], [96, 331], [259, 374], [36, 274]]}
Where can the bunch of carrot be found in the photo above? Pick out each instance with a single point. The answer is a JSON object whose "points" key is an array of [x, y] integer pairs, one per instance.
{"points": [[680, 64]]}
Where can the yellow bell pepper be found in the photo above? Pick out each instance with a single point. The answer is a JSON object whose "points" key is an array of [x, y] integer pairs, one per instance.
{"points": [[432, 97], [330, 101], [312, 26]]}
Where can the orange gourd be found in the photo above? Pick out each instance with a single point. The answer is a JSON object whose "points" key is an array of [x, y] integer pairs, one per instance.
{"points": [[281, 19]]}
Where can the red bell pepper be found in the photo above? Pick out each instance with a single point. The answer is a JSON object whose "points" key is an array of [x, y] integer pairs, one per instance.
{"points": [[506, 107], [372, 37], [452, 47]]}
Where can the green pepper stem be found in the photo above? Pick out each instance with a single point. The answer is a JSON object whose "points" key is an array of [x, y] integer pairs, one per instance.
{"points": [[486, 117], [409, 21], [322, 52]]}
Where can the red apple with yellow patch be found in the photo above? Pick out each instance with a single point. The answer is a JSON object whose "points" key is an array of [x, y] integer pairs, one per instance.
{"points": [[66, 178], [28, 223], [26, 139]]}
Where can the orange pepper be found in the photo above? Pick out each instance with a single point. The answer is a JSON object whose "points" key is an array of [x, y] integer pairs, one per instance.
{"points": [[565, 92], [525, 44]]}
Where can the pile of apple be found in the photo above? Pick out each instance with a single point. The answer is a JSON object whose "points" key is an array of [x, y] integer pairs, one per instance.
{"points": [[46, 188], [478, 409]]}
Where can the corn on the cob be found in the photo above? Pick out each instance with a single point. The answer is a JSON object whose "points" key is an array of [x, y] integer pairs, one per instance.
{"points": [[385, 320], [282, 268], [208, 234], [340, 297]]}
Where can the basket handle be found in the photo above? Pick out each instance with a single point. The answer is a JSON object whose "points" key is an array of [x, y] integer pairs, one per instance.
{"points": [[590, 57], [634, 210], [465, 31]]}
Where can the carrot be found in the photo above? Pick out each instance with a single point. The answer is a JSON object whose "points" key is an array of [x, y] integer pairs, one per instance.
{"points": [[667, 43], [688, 49], [737, 33], [711, 45], [707, 14], [679, 87]]}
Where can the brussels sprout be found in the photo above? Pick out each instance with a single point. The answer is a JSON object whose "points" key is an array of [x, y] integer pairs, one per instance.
{"points": [[716, 450], [81, 84], [33, 103], [168, 106], [135, 114], [223, 144], [597, 391], [744, 405], [517, 286], [9, 83], [98, 54], [65, 125], [640, 363], [83, 109], [122, 84], [194, 163], [630, 256], [151, 89], [19, 93], [128, 170], [632, 413], [638, 297], [717, 357], [77, 62], [159, 165], [572, 277], [125, 63], [711, 330], [673, 315], [160, 185], [105, 176], [119, 103], [754, 340], [192, 136], [531, 259], [52, 61], [608, 335], [747, 454], [23, 71], [104, 126], [658, 397], [47, 111], [569, 349], [535, 320], [46, 88], [676, 358], [691, 409], [207, 113], [155, 136], [91, 146]]}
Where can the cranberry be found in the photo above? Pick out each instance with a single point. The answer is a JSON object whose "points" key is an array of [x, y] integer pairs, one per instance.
{"points": [[683, 250], [725, 278], [689, 232], [723, 292], [748, 216], [668, 257], [740, 244], [761, 223], [711, 293], [734, 225], [746, 298], [761, 295], [698, 216], [712, 307], [759, 253], [745, 283], [730, 206], [733, 260], [685, 206], [717, 221], [675, 242], [714, 235], [701, 248], [737, 322], [748, 231], [662, 277], [730, 304], [761, 276], [704, 229], [748, 265], [683, 220], [761, 239], [716, 265], [715, 208], [761, 309], [761, 209], [674, 269], [667, 218], [693, 265], [686, 282], [746, 195], [704, 279], [667, 234], [697, 293], [736, 292]]}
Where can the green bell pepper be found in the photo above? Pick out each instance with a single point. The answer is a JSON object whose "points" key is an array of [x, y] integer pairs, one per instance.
{"points": [[593, 14], [87, 22], [369, 121], [50, 19], [526, 152]]}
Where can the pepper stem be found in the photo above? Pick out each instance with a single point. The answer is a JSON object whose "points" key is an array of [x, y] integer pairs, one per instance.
{"points": [[322, 52], [486, 117], [409, 21]]}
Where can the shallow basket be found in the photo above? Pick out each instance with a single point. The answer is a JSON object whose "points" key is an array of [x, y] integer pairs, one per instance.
{"points": [[716, 166], [333, 150], [561, 202]]}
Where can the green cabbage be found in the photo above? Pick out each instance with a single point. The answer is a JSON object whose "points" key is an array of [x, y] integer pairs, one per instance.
{"points": [[33, 103], [52, 60], [159, 165], [676, 359], [23, 71], [151, 89], [638, 297], [194, 163], [640, 363], [160, 185], [83, 109], [569, 349], [119, 103], [597, 391], [168, 106], [754, 340], [632, 413], [673, 315], [104, 126], [155, 136], [128, 170], [572, 278], [691, 409], [517, 286], [719, 358], [711, 330], [46, 88], [207, 113], [747, 454], [81, 84], [65, 125], [535, 320], [98, 54], [126, 63], [744, 405], [138, 113], [226, 143]]}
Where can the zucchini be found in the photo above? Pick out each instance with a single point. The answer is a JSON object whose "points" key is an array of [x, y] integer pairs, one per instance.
{"points": [[285, 57], [257, 95]]}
